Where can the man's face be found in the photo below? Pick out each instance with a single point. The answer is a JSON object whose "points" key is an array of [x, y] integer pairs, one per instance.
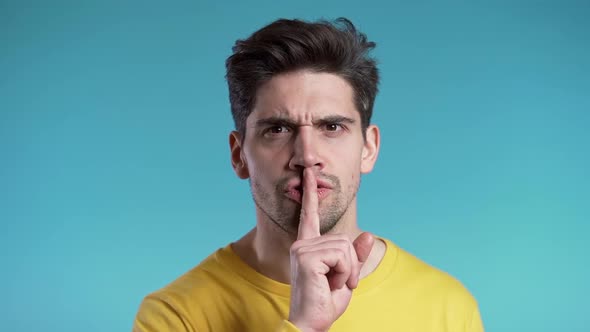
{"points": [[304, 120]]}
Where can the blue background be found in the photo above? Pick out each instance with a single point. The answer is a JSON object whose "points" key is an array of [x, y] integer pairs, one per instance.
{"points": [[115, 175]]}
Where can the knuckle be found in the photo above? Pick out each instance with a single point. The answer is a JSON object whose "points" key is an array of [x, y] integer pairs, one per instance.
{"points": [[342, 237], [299, 251], [344, 244], [343, 257], [296, 248]]}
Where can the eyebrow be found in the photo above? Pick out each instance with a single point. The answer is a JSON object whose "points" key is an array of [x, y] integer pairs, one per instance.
{"points": [[282, 121]]}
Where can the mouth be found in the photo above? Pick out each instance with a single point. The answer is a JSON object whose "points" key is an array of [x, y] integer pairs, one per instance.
{"points": [[295, 191]]}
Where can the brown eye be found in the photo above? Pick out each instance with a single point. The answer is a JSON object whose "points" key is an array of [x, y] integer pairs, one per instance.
{"points": [[278, 129], [333, 127], [275, 131]]}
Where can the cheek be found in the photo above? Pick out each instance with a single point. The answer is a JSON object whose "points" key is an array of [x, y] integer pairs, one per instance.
{"points": [[352, 160], [354, 179], [263, 164]]}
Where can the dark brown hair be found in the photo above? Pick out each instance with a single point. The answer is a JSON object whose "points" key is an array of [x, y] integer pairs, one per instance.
{"points": [[289, 45]]}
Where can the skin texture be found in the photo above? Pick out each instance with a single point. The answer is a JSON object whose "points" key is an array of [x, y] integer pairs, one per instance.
{"points": [[304, 153]]}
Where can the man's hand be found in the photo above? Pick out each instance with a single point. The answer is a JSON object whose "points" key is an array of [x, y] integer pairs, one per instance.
{"points": [[324, 269]]}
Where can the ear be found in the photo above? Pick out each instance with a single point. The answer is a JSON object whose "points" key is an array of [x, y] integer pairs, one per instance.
{"points": [[238, 161], [370, 149]]}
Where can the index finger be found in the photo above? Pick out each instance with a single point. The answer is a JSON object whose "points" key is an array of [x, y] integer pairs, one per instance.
{"points": [[309, 219]]}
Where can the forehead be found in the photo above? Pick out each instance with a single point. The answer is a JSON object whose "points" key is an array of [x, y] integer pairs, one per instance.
{"points": [[304, 96]]}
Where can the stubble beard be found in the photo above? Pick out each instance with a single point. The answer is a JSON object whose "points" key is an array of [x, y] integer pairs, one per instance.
{"points": [[285, 213]]}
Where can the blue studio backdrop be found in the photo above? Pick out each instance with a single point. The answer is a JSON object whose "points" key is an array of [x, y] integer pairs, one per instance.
{"points": [[114, 163]]}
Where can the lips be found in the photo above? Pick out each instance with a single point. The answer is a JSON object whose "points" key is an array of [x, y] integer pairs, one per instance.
{"points": [[294, 190]]}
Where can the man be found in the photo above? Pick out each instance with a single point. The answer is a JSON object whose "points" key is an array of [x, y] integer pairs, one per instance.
{"points": [[302, 96]]}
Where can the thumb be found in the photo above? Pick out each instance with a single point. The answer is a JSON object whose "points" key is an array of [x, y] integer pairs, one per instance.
{"points": [[363, 245]]}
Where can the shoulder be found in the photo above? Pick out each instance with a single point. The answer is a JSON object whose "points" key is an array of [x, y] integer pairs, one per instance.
{"points": [[205, 278], [187, 296], [428, 281]]}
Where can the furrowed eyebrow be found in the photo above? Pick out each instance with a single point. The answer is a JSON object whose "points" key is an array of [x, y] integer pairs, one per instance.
{"points": [[275, 121], [334, 119], [280, 121]]}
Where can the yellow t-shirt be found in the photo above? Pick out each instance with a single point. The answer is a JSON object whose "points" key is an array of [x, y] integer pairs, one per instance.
{"points": [[225, 294]]}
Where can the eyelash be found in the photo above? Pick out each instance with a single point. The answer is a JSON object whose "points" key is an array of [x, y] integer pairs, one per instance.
{"points": [[338, 126], [269, 130], [286, 129]]}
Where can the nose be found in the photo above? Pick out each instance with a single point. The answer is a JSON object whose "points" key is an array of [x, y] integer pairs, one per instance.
{"points": [[306, 150]]}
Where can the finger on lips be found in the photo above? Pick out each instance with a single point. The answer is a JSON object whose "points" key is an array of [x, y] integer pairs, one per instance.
{"points": [[341, 258], [309, 220]]}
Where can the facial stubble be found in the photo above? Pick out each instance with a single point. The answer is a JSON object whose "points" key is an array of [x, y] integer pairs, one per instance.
{"points": [[285, 213]]}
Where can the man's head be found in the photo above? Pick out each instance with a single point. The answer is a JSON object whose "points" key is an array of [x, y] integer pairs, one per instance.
{"points": [[291, 45], [302, 96]]}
